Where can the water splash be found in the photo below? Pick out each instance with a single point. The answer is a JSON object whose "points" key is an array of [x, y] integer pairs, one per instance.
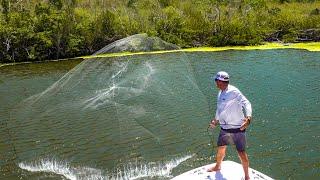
{"points": [[51, 166], [130, 171], [136, 171]]}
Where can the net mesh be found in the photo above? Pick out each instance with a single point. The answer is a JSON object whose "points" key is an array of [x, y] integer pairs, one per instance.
{"points": [[114, 110]]}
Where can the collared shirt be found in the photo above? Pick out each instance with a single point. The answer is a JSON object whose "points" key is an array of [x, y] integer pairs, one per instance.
{"points": [[230, 105]]}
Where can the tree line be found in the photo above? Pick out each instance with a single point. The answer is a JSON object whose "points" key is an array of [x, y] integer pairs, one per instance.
{"points": [[35, 30]]}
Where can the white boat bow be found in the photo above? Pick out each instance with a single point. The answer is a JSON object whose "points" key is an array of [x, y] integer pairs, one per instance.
{"points": [[229, 171]]}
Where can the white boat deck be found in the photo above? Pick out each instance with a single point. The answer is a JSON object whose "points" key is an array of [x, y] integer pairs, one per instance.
{"points": [[229, 171]]}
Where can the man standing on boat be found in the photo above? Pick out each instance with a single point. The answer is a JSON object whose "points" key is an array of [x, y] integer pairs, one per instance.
{"points": [[234, 115]]}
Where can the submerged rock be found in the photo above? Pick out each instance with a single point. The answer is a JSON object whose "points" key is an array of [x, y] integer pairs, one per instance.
{"points": [[137, 43]]}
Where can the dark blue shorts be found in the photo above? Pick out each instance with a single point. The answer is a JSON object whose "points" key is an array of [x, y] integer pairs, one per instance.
{"points": [[232, 136]]}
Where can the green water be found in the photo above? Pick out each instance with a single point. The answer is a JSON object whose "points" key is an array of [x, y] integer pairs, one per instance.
{"points": [[283, 140]]}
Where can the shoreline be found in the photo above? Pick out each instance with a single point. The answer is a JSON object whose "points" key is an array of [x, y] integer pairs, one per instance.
{"points": [[310, 46]]}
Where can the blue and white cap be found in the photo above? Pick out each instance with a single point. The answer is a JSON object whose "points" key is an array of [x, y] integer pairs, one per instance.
{"points": [[222, 76]]}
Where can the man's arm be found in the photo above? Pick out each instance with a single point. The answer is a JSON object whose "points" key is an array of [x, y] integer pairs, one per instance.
{"points": [[246, 123], [245, 103]]}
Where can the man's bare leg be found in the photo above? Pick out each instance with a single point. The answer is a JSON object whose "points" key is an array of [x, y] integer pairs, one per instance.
{"points": [[245, 163], [221, 152]]}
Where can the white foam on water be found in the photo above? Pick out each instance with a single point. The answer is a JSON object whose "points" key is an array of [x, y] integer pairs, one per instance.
{"points": [[51, 166], [133, 171], [130, 171], [64, 169]]}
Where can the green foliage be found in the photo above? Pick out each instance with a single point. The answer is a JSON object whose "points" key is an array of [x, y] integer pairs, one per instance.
{"points": [[56, 3], [17, 36], [169, 27], [5, 8], [103, 29], [274, 11], [125, 23], [165, 3], [61, 29], [315, 12], [234, 33], [290, 37]]}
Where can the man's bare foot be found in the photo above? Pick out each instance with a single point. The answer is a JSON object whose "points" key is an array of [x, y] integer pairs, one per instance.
{"points": [[215, 168], [247, 178]]}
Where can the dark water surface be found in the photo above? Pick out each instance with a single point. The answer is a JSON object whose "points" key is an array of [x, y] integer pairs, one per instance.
{"points": [[146, 116]]}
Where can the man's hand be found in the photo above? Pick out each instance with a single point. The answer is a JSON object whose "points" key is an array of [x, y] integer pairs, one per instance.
{"points": [[245, 123], [213, 123]]}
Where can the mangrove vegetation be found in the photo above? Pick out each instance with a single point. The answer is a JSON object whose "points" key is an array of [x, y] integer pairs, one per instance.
{"points": [[36, 30]]}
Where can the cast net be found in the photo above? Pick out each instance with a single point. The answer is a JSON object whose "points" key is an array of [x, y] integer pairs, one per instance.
{"points": [[111, 111]]}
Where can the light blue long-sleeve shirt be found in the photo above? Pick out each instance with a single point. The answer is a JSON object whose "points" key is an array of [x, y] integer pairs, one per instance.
{"points": [[232, 107]]}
